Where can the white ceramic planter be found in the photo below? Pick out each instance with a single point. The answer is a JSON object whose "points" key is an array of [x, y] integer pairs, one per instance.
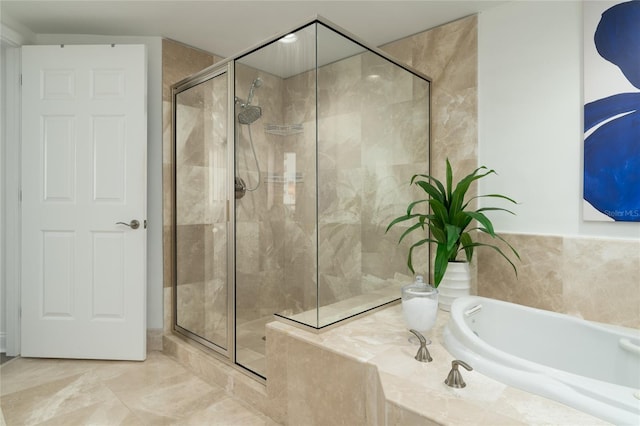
{"points": [[455, 283]]}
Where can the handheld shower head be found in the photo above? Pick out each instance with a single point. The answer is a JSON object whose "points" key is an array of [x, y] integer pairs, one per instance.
{"points": [[256, 83], [250, 113]]}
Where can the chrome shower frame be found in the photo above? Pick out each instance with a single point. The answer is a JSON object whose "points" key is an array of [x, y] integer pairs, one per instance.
{"points": [[217, 70]]}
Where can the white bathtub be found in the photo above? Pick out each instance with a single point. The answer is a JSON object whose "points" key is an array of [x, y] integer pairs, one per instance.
{"points": [[592, 367]]}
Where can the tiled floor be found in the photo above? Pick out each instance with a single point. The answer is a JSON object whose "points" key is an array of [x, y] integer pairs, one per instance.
{"points": [[158, 391]]}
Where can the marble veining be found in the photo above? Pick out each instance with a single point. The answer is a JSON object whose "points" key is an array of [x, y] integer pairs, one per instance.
{"points": [[595, 279], [80, 392], [449, 55], [408, 390]]}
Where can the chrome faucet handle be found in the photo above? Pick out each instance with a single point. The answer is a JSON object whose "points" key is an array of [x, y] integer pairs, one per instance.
{"points": [[423, 354], [454, 379]]}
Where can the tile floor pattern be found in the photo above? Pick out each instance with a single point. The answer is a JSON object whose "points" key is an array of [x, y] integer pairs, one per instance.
{"points": [[158, 391]]}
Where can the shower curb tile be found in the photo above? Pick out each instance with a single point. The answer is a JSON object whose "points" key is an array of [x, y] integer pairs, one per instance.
{"points": [[211, 370]]}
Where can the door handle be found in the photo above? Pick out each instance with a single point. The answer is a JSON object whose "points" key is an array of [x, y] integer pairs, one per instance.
{"points": [[134, 224]]}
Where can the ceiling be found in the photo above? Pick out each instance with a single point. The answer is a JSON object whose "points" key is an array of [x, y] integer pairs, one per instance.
{"points": [[229, 27]]}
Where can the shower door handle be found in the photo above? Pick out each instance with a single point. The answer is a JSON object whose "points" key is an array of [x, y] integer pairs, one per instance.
{"points": [[134, 224]]}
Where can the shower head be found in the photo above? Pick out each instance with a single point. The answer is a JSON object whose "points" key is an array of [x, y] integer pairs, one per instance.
{"points": [[249, 114], [256, 83]]}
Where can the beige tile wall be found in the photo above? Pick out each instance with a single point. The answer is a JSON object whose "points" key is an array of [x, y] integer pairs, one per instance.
{"points": [[596, 279], [337, 390], [449, 55]]}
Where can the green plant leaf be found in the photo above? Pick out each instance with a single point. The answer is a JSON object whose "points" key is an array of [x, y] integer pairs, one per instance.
{"points": [[453, 235], [438, 233], [476, 244], [429, 178], [467, 245], [447, 222], [457, 198], [513, 250], [504, 197], [449, 179], [484, 209], [430, 189], [410, 257], [443, 257], [439, 211], [461, 220], [482, 219], [415, 203], [410, 230], [490, 196], [400, 219]]}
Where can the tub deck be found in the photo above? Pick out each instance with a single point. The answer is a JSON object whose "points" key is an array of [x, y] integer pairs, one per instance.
{"points": [[365, 372]]}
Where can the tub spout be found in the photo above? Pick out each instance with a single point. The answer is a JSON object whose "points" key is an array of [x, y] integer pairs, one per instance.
{"points": [[423, 354], [454, 379]]}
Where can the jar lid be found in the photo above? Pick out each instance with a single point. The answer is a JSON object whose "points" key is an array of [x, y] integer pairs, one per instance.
{"points": [[419, 290]]}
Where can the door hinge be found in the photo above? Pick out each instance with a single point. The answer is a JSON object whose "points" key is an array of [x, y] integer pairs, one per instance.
{"points": [[20, 79], [20, 195]]}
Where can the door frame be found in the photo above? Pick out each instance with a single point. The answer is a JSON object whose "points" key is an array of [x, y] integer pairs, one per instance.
{"points": [[11, 166]]}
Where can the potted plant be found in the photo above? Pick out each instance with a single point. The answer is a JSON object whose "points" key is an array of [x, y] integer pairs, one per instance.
{"points": [[449, 225]]}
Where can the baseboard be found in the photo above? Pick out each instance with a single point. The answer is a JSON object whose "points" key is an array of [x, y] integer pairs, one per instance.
{"points": [[154, 339]]}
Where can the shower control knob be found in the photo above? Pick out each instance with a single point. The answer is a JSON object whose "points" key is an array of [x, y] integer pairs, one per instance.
{"points": [[134, 224], [240, 188]]}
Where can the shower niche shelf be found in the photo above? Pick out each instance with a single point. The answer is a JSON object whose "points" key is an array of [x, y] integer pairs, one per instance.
{"points": [[276, 178], [283, 129]]}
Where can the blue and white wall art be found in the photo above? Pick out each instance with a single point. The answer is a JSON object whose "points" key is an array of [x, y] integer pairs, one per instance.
{"points": [[612, 111]]}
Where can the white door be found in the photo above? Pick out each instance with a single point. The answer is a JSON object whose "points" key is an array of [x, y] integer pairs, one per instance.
{"points": [[84, 147]]}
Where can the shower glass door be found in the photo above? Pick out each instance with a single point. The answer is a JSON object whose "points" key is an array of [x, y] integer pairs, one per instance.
{"points": [[201, 216], [275, 158]]}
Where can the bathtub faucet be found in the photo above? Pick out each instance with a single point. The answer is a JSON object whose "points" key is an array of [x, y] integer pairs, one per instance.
{"points": [[454, 379], [423, 354]]}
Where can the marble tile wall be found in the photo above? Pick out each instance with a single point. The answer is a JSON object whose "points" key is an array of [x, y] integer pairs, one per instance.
{"points": [[595, 279], [373, 136], [449, 55]]}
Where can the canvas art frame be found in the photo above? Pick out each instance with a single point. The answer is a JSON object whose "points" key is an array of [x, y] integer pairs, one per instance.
{"points": [[611, 160]]}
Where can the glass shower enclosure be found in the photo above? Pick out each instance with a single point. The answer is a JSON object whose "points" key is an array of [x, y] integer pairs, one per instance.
{"points": [[290, 161]]}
